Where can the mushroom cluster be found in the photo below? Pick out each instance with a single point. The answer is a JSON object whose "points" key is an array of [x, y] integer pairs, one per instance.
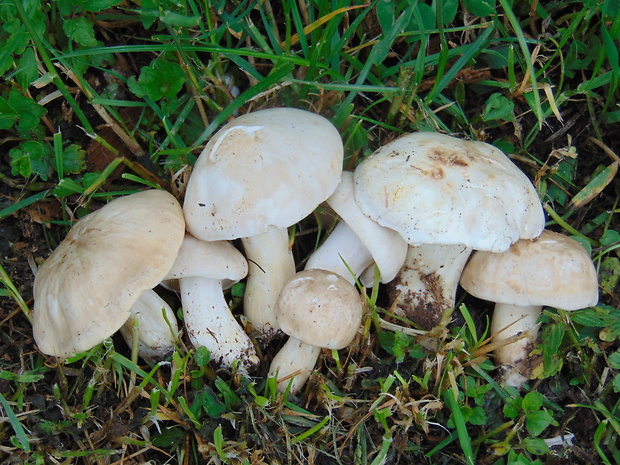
{"points": [[415, 210]]}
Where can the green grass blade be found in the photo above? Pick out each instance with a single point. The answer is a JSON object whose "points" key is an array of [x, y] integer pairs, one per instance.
{"points": [[16, 424]]}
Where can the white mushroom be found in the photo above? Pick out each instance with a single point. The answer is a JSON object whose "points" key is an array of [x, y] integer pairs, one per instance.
{"points": [[260, 174], [317, 309], [156, 324], [200, 268], [553, 270], [445, 196], [85, 290], [357, 242]]}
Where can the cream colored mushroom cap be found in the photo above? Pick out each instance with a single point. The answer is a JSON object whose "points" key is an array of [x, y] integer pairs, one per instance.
{"points": [[320, 308], [553, 270], [269, 168], [436, 189], [208, 259], [84, 291]]}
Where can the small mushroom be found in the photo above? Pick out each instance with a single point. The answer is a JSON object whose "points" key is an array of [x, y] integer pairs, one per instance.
{"points": [[357, 242], [445, 196], [84, 291], [258, 175], [553, 270], [156, 325], [200, 268], [317, 309]]}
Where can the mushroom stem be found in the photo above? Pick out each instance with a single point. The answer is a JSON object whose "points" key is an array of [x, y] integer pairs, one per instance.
{"points": [[508, 321], [210, 323], [295, 360], [156, 333], [341, 246], [425, 288], [271, 264]]}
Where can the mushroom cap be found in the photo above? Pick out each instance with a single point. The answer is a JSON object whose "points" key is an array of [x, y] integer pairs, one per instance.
{"points": [[436, 189], [319, 308], [387, 247], [553, 270], [269, 168], [208, 259], [84, 291]]}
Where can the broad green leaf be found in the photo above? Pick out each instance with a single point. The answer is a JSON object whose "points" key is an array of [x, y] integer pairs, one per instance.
{"points": [[95, 5], [536, 422], [385, 14], [209, 402], [609, 237], [478, 416], [202, 356], [73, 159], [30, 158], [80, 30], [27, 71], [617, 383], [532, 401], [512, 408], [161, 79], [449, 9], [149, 12], [609, 273], [8, 115], [29, 111], [481, 7], [178, 20], [535, 446], [498, 108], [614, 360]]}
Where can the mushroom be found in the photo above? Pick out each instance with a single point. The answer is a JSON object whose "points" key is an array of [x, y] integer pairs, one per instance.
{"points": [[317, 309], [156, 325], [200, 268], [357, 242], [258, 175], [84, 291], [445, 197], [553, 270]]}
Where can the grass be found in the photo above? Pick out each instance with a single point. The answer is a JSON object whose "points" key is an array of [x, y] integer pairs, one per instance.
{"points": [[101, 98]]}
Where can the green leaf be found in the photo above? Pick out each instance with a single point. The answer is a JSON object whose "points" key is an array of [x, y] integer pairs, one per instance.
{"points": [[8, 115], [29, 111], [512, 408], [449, 9], [532, 401], [209, 402], [480, 7], [30, 158], [178, 20], [610, 237], [591, 317], [616, 383], [536, 422], [161, 79], [27, 71], [535, 446], [80, 30], [202, 356], [95, 5], [478, 416], [73, 159], [385, 14], [614, 360], [498, 108], [149, 12]]}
